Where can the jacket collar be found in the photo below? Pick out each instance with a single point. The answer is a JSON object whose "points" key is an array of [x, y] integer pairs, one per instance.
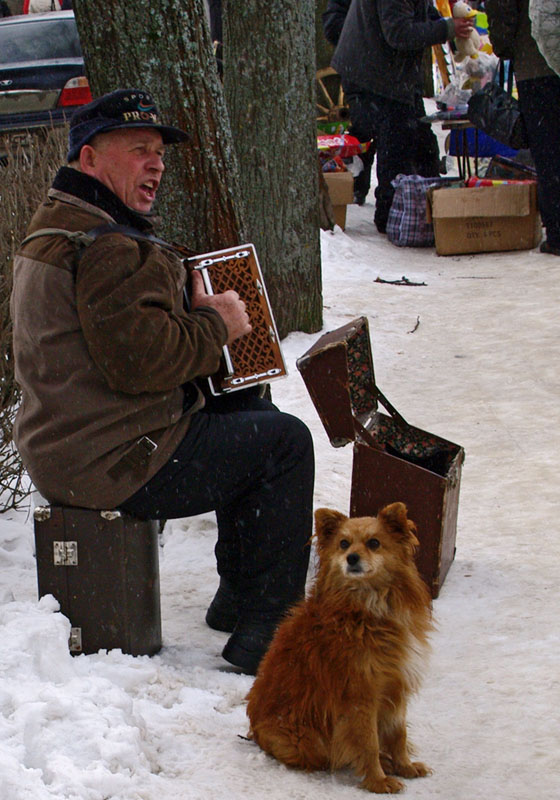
{"points": [[72, 182]]}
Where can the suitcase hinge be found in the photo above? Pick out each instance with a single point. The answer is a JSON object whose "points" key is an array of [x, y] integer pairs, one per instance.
{"points": [[75, 640], [110, 515], [65, 554]]}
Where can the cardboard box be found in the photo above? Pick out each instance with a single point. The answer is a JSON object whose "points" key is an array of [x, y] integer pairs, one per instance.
{"points": [[485, 219], [392, 460], [341, 193]]}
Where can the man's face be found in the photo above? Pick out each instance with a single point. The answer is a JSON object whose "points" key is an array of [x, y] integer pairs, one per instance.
{"points": [[130, 162]]}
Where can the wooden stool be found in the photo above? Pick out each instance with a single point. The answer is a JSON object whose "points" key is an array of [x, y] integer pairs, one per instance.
{"points": [[103, 568]]}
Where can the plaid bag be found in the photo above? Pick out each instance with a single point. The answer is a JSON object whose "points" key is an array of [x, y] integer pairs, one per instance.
{"points": [[407, 225]]}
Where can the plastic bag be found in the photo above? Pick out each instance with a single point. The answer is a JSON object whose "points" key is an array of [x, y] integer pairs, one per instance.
{"points": [[495, 112]]}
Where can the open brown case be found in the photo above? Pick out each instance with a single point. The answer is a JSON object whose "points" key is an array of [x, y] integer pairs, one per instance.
{"points": [[102, 567], [393, 461]]}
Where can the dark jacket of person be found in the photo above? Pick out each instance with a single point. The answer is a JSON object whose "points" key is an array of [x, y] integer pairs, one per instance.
{"points": [[333, 19], [104, 350], [381, 45], [509, 28]]}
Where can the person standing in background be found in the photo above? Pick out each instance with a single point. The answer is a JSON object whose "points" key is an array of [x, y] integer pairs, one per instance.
{"points": [[333, 21], [538, 87], [379, 58]]}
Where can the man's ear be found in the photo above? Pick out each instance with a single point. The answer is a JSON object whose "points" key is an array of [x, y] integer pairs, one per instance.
{"points": [[87, 160]]}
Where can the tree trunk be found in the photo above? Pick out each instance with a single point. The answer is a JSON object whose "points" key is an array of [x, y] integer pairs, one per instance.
{"points": [[269, 78], [164, 47]]}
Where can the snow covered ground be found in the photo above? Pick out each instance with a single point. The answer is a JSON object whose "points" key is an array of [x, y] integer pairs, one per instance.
{"points": [[481, 369]]}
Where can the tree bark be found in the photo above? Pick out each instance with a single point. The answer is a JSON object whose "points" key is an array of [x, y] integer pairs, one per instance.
{"points": [[164, 47], [269, 79]]}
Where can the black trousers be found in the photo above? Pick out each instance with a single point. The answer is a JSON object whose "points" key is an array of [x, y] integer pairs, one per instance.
{"points": [[254, 466], [539, 101], [362, 128], [403, 143]]}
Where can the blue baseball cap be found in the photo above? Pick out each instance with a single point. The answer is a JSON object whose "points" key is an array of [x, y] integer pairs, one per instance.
{"points": [[123, 108]]}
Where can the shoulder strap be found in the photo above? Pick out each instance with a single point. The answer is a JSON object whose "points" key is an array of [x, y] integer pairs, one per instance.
{"points": [[131, 233], [82, 239], [79, 238]]}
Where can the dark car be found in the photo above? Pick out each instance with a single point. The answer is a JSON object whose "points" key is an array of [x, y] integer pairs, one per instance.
{"points": [[42, 77]]}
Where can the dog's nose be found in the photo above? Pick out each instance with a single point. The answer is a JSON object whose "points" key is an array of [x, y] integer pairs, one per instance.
{"points": [[352, 559]]}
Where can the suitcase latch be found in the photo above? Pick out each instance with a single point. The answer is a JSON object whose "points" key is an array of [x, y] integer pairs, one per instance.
{"points": [[65, 554], [42, 513], [75, 640]]}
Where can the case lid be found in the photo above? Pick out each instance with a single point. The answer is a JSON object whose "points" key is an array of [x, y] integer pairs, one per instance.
{"points": [[338, 373]]}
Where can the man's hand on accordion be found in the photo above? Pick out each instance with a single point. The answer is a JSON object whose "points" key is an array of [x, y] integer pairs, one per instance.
{"points": [[228, 305]]}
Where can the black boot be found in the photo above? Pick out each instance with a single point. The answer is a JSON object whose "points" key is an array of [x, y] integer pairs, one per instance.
{"points": [[250, 641], [223, 611], [264, 600]]}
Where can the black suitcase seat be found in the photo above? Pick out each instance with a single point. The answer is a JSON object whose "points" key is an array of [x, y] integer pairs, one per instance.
{"points": [[103, 568]]}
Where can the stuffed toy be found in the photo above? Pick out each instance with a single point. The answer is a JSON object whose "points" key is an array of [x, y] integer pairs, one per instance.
{"points": [[466, 48]]}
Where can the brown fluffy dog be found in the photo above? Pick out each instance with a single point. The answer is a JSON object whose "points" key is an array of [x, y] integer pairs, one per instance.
{"points": [[332, 689]]}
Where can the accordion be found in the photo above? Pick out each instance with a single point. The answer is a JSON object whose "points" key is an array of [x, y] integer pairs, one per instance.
{"points": [[254, 358]]}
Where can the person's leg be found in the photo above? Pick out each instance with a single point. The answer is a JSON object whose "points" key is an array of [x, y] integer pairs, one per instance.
{"points": [[539, 100], [362, 117], [227, 545], [427, 159], [224, 610], [272, 527], [362, 182], [396, 130], [255, 468]]}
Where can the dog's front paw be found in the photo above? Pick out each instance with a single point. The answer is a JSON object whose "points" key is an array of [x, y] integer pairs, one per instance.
{"points": [[384, 785], [386, 762], [415, 769]]}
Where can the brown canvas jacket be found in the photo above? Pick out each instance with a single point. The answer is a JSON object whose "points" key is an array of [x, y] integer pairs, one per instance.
{"points": [[103, 347]]}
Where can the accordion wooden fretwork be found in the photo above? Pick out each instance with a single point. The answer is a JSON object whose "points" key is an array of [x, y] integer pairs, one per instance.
{"points": [[257, 357]]}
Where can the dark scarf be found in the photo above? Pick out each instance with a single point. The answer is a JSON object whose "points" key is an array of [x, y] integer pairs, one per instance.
{"points": [[97, 194]]}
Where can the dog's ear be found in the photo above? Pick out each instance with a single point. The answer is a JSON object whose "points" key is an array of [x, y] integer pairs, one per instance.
{"points": [[394, 518], [327, 522], [412, 531]]}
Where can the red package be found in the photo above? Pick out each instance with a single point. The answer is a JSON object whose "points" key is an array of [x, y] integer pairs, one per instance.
{"points": [[342, 145]]}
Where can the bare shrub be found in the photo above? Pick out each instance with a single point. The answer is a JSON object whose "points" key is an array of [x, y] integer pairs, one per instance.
{"points": [[26, 172]]}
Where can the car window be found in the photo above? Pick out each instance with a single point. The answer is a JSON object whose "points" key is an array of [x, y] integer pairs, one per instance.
{"points": [[37, 40]]}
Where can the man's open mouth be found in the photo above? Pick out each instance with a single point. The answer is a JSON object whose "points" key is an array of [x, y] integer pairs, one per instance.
{"points": [[149, 188]]}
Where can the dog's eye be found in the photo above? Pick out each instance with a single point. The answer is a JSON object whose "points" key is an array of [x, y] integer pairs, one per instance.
{"points": [[373, 544], [344, 544]]}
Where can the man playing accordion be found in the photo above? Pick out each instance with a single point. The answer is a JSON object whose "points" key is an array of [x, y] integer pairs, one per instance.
{"points": [[109, 361]]}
